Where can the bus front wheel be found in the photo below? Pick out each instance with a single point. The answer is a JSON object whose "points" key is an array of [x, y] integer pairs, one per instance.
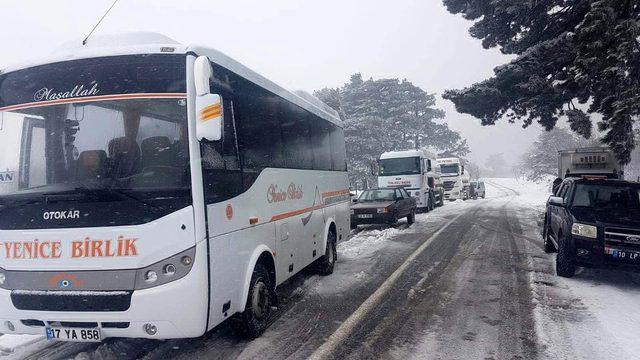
{"points": [[262, 296]]}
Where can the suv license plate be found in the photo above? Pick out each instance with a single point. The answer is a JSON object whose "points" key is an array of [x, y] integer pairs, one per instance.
{"points": [[73, 334], [365, 216]]}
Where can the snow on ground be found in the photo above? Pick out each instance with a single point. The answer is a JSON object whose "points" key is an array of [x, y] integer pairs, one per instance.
{"points": [[14, 346]]}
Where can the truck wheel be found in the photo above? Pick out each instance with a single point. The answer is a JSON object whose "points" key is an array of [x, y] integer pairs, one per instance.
{"points": [[257, 312], [411, 218], [565, 265], [328, 260]]}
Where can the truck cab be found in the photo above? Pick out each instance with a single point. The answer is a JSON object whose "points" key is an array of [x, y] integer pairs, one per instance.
{"points": [[415, 170], [455, 178], [593, 221]]}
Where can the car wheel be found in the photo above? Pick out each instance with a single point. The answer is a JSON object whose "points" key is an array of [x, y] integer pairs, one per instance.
{"points": [[328, 260], [257, 313], [565, 264], [411, 218]]}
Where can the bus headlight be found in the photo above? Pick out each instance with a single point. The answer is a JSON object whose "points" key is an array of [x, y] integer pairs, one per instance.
{"points": [[165, 271], [588, 231]]}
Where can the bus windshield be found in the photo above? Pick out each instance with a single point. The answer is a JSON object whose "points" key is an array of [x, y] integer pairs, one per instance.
{"points": [[450, 169], [399, 166], [607, 196], [134, 145], [97, 135]]}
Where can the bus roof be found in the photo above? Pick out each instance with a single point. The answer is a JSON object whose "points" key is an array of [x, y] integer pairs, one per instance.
{"points": [[153, 43]]}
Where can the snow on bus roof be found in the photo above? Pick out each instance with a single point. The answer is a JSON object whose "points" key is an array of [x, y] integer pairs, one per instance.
{"points": [[154, 43]]}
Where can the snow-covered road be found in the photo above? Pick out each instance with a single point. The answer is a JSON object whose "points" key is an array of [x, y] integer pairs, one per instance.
{"points": [[480, 288]]}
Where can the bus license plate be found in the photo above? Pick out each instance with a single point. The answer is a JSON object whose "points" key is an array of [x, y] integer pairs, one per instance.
{"points": [[74, 334], [365, 216]]}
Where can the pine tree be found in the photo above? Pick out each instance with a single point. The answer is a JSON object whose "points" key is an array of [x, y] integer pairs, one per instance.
{"points": [[568, 52], [388, 114]]}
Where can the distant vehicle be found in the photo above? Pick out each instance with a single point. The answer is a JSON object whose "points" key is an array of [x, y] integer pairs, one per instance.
{"points": [[383, 206], [455, 179], [415, 170], [476, 189], [593, 222], [589, 161]]}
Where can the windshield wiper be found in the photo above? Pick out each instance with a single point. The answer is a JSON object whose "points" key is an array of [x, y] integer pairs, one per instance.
{"points": [[121, 193]]}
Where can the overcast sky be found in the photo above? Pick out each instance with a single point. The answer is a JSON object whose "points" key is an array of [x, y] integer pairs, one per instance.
{"points": [[300, 44]]}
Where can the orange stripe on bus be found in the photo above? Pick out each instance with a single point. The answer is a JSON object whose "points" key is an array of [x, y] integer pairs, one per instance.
{"points": [[295, 212]]}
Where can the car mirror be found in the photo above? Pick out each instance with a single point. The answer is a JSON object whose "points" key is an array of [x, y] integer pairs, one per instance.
{"points": [[354, 200], [556, 201]]}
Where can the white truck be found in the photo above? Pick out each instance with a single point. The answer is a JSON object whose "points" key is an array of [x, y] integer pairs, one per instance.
{"points": [[594, 161], [455, 179], [415, 170]]}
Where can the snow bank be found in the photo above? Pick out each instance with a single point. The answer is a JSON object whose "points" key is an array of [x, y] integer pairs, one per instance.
{"points": [[15, 346]]}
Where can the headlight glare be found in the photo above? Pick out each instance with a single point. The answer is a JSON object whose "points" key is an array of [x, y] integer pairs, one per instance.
{"points": [[588, 231]]}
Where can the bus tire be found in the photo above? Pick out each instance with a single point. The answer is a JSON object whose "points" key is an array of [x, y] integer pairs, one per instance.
{"points": [[565, 265], [254, 320], [327, 262]]}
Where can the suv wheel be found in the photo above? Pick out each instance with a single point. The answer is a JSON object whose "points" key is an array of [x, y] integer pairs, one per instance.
{"points": [[565, 264], [548, 245]]}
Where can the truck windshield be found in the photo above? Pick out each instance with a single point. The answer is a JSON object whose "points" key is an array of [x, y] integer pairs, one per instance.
{"points": [[450, 169], [607, 196], [399, 166]]}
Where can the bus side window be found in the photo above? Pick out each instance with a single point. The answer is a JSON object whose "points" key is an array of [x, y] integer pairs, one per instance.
{"points": [[296, 138], [338, 148], [321, 143], [220, 166]]}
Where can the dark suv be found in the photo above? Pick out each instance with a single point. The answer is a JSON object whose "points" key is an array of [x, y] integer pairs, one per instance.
{"points": [[593, 222]]}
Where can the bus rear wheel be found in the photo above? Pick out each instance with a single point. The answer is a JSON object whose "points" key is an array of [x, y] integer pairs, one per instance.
{"points": [[257, 312], [327, 262]]}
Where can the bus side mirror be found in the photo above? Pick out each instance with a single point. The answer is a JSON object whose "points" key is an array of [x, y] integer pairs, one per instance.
{"points": [[209, 115]]}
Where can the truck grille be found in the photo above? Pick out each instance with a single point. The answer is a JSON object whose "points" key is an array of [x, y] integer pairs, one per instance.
{"points": [[448, 185], [621, 236], [71, 300]]}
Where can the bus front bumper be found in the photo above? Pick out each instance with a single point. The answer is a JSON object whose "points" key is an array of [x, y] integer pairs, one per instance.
{"points": [[177, 309]]}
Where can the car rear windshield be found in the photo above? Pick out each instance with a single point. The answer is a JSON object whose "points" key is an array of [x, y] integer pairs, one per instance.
{"points": [[607, 196], [377, 195]]}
